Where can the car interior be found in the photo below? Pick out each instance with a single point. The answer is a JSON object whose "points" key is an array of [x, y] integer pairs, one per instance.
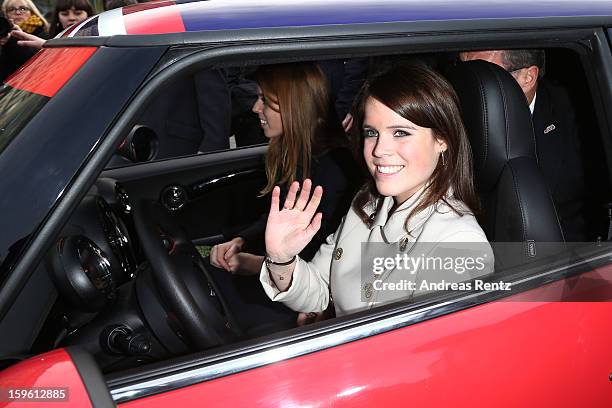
{"points": [[130, 267]]}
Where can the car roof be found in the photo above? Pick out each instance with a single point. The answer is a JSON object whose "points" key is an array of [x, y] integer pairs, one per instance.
{"points": [[166, 17]]}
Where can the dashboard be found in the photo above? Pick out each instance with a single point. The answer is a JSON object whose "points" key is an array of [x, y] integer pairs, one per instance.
{"points": [[94, 265], [95, 253], [131, 285]]}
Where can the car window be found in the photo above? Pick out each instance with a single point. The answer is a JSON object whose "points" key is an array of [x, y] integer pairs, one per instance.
{"points": [[226, 96], [213, 110], [18, 107], [209, 111], [27, 91]]}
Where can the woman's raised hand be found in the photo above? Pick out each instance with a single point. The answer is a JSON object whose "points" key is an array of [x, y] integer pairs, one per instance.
{"points": [[291, 227]]}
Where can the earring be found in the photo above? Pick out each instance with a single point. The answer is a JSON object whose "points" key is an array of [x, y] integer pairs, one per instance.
{"points": [[443, 159]]}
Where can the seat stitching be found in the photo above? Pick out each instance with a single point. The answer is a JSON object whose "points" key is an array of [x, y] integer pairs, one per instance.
{"points": [[484, 121], [520, 202], [486, 125], [505, 106]]}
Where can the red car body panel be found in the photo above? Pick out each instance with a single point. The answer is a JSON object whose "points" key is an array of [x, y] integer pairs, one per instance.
{"points": [[50, 69], [518, 352], [54, 369]]}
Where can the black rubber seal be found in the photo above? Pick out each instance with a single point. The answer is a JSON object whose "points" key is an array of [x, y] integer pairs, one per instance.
{"points": [[92, 377]]}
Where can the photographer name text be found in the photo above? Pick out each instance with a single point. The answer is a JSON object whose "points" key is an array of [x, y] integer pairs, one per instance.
{"points": [[423, 285]]}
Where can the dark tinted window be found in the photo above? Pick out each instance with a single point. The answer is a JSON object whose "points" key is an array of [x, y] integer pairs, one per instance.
{"points": [[17, 108]]}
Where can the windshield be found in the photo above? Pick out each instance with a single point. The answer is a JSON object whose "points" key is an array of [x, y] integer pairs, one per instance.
{"points": [[22, 98], [33, 85], [17, 108]]}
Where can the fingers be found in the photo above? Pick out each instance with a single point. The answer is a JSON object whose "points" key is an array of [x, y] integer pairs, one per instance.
{"points": [[314, 201], [304, 195], [21, 35], [31, 44], [217, 256], [223, 261], [315, 224], [234, 264], [275, 200], [290, 200], [233, 249], [302, 319], [28, 40], [308, 318], [303, 203], [213, 256], [23, 43]]}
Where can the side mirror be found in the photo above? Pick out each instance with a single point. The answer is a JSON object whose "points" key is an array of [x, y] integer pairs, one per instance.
{"points": [[140, 145]]}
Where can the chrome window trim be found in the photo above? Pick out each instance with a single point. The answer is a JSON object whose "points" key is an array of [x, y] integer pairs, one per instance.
{"points": [[204, 185], [280, 352]]}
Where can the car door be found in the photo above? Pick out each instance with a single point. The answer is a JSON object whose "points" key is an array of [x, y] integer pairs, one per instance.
{"points": [[63, 377], [544, 346], [213, 196]]}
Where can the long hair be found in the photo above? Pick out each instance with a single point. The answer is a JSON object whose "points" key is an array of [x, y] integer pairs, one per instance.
{"points": [[425, 98], [310, 124], [63, 5], [34, 10]]}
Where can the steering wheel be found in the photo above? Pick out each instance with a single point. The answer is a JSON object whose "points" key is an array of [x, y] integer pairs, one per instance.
{"points": [[179, 275]]}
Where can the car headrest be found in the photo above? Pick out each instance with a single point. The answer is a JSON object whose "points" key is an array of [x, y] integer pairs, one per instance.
{"points": [[496, 117]]}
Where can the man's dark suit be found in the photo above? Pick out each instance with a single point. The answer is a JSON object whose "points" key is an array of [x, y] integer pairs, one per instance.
{"points": [[192, 114], [559, 157]]}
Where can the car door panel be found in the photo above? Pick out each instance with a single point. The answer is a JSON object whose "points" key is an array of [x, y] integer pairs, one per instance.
{"points": [[60, 378], [218, 191], [526, 350]]}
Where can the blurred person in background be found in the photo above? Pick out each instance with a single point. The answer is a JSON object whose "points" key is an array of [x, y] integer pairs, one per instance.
{"points": [[26, 16], [12, 56], [19, 16], [113, 4], [66, 14]]}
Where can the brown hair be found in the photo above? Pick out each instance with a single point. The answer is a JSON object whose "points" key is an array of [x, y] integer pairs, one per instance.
{"points": [[63, 5], [425, 98], [310, 124]]}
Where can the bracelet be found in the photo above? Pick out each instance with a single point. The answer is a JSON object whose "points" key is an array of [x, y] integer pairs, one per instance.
{"points": [[269, 261]]}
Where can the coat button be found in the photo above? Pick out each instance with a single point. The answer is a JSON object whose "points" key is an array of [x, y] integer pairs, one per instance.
{"points": [[338, 254]]}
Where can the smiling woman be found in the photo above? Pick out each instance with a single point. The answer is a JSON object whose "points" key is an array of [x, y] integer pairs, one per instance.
{"points": [[420, 194]]}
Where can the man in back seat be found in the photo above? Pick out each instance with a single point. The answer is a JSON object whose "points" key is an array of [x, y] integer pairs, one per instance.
{"points": [[554, 123]]}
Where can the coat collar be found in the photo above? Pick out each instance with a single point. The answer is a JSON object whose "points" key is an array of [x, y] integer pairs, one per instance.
{"points": [[392, 227]]}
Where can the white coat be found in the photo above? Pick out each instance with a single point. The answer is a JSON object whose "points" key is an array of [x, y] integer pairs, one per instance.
{"points": [[436, 229]]}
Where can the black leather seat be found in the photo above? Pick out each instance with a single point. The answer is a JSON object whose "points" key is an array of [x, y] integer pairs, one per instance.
{"points": [[516, 203]]}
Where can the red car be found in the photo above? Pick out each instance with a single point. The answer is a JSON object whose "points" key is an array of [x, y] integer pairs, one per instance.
{"points": [[103, 188]]}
